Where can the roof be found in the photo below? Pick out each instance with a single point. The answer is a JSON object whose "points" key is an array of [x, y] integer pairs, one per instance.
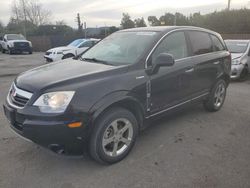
{"points": [[237, 40], [165, 29]]}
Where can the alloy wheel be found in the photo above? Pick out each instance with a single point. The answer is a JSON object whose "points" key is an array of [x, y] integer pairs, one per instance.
{"points": [[219, 95], [117, 137]]}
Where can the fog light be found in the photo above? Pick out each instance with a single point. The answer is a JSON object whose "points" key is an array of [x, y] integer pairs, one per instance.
{"points": [[75, 125]]}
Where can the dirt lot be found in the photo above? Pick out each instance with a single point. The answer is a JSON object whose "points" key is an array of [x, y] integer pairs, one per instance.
{"points": [[192, 148]]}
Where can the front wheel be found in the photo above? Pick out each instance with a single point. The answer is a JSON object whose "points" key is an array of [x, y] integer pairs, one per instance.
{"points": [[114, 136], [216, 97], [244, 74], [66, 56]]}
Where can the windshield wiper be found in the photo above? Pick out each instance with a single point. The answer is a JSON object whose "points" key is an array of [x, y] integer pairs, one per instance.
{"points": [[96, 60]]}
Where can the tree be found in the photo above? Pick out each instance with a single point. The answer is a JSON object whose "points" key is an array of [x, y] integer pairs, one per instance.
{"points": [[139, 22], [153, 21], [167, 19], [60, 22], [1, 27], [126, 21], [30, 11]]}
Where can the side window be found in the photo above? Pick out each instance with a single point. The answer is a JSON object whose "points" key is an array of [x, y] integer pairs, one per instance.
{"points": [[217, 44], [174, 44], [201, 42], [86, 44]]}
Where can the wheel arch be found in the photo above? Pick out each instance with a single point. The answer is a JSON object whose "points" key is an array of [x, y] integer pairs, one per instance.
{"points": [[128, 102], [224, 77], [73, 55]]}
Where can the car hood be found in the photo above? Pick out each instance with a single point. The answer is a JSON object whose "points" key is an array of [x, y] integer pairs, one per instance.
{"points": [[236, 55], [61, 48], [61, 73], [12, 41]]}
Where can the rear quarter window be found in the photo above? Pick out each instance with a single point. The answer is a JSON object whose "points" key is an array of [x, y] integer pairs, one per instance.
{"points": [[200, 42]]}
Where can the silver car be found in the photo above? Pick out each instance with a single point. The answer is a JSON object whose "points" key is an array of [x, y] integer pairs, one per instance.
{"points": [[240, 54]]}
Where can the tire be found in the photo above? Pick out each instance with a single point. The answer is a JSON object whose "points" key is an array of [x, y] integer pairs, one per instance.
{"points": [[216, 97], [244, 74], [107, 143], [3, 51], [66, 56], [30, 52]]}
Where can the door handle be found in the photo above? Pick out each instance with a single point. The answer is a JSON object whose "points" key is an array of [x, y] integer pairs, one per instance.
{"points": [[189, 70], [216, 63]]}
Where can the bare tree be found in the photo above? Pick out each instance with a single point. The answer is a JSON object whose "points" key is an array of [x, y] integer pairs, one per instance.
{"points": [[30, 11]]}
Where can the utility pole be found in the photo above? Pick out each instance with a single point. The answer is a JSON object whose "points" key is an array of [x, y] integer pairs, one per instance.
{"points": [[85, 30], [25, 17], [175, 18], [229, 4], [79, 23]]}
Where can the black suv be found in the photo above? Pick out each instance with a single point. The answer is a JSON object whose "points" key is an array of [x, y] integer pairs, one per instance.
{"points": [[100, 101]]}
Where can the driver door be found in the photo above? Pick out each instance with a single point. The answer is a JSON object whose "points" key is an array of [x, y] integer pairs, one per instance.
{"points": [[172, 85]]}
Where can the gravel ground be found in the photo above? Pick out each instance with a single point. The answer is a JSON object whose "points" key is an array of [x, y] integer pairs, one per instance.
{"points": [[190, 148]]}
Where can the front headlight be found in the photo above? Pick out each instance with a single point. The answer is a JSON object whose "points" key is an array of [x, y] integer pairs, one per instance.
{"points": [[30, 44], [236, 62], [54, 102]]}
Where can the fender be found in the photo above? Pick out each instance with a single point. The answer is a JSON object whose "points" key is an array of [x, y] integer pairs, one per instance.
{"points": [[113, 98]]}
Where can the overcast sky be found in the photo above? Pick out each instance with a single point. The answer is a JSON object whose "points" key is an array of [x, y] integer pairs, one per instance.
{"points": [[109, 12]]}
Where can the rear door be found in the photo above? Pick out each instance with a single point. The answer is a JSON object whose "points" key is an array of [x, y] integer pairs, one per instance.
{"points": [[207, 62]]}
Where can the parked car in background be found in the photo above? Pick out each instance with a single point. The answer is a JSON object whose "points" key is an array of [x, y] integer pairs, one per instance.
{"points": [[240, 53], [100, 102], [72, 50], [13, 43]]}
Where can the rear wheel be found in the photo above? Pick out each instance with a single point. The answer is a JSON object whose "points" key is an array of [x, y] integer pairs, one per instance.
{"points": [[3, 51], [216, 97], [114, 136], [66, 56]]}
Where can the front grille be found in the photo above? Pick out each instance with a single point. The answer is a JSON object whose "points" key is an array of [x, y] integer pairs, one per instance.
{"points": [[48, 53], [18, 97], [21, 44]]}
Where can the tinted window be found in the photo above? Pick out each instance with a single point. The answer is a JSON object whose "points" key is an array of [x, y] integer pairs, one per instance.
{"points": [[201, 42], [174, 44], [217, 43]]}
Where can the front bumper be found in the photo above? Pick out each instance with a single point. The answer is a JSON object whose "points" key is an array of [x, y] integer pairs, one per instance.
{"points": [[53, 57], [236, 71], [49, 131], [21, 49]]}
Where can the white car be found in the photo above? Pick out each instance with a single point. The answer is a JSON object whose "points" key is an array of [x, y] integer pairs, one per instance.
{"points": [[15, 43], [240, 53], [72, 50]]}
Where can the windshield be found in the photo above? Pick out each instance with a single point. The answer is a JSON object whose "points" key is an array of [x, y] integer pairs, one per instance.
{"points": [[76, 42], [236, 46], [121, 48], [15, 37]]}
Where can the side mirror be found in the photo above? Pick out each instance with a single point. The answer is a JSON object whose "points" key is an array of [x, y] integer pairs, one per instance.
{"points": [[162, 60], [4, 40]]}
